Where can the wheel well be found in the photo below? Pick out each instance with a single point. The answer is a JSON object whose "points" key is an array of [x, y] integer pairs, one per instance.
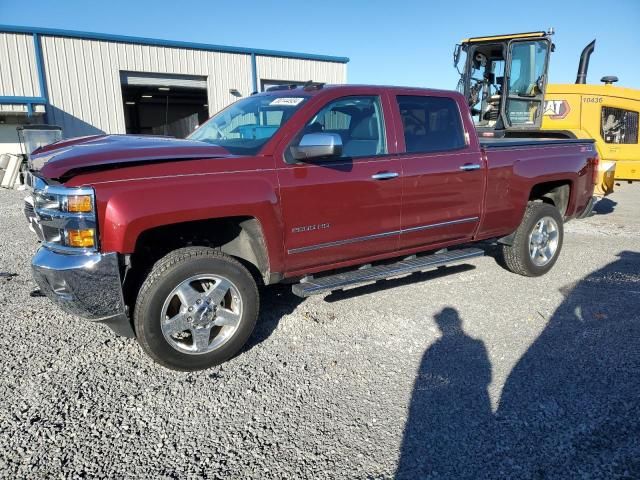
{"points": [[239, 237], [555, 193]]}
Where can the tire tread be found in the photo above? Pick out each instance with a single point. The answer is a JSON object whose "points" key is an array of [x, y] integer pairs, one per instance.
{"points": [[512, 254], [158, 271]]}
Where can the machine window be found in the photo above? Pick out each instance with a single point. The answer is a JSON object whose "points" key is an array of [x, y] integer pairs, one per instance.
{"points": [[619, 126], [431, 124], [358, 121], [528, 61]]}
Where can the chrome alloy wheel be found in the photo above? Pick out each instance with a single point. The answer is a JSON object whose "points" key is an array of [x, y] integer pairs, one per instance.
{"points": [[543, 241], [201, 314]]}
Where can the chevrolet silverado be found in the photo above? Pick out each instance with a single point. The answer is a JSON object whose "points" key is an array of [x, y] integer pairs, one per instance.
{"points": [[326, 187]]}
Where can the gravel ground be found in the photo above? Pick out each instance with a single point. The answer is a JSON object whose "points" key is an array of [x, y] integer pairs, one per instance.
{"points": [[475, 373]]}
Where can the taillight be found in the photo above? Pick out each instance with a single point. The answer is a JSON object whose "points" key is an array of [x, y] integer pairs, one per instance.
{"points": [[595, 161]]}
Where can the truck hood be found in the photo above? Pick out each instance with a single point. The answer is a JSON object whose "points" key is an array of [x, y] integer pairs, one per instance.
{"points": [[61, 159]]}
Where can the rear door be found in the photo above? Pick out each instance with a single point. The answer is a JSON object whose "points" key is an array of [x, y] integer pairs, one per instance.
{"points": [[348, 207], [443, 170]]}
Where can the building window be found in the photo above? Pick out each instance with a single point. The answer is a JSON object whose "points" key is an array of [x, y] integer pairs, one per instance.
{"points": [[431, 124], [619, 126]]}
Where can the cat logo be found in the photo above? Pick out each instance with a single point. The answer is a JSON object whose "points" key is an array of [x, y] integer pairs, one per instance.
{"points": [[556, 109]]}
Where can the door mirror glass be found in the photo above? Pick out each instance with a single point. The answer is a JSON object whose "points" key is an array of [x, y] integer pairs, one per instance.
{"points": [[317, 145]]}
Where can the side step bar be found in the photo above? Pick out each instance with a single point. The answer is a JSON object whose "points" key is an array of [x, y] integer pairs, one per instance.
{"points": [[351, 278]]}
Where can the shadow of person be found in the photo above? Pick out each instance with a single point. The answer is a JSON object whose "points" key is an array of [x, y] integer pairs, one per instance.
{"points": [[450, 414], [571, 405]]}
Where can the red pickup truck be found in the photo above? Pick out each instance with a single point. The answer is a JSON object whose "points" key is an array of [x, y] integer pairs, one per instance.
{"points": [[325, 187]]}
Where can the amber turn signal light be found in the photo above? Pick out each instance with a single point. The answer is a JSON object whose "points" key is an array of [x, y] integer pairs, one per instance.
{"points": [[79, 204], [81, 238]]}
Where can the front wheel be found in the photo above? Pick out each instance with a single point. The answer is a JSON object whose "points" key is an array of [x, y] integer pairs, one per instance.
{"points": [[537, 241], [196, 309]]}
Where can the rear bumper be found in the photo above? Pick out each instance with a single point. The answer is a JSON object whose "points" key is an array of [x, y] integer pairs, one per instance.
{"points": [[87, 286]]}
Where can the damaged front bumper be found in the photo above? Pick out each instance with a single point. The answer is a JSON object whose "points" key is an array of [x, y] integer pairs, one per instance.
{"points": [[85, 285]]}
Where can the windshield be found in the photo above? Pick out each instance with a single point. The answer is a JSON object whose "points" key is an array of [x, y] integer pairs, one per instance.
{"points": [[245, 126]]}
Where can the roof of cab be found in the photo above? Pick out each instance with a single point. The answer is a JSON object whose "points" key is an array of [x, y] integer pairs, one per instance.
{"points": [[301, 90], [509, 36]]}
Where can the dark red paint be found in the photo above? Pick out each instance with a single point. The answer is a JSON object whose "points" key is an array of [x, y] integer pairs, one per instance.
{"points": [[197, 181]]}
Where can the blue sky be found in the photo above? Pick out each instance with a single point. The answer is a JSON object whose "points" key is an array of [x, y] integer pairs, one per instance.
{"points": [[388, 42]]}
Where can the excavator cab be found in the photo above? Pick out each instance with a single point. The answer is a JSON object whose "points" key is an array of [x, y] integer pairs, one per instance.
{"points": [[504, 79]]}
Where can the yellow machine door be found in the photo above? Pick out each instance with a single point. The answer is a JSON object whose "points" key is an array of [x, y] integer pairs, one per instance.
{"points": [[525, 83]]}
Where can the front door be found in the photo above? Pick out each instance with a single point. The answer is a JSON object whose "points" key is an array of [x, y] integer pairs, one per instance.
{"points": [[443, 172], [342, 208]]}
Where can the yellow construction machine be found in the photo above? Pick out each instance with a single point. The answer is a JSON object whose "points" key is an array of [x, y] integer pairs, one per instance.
{"points": [[504, 78]]}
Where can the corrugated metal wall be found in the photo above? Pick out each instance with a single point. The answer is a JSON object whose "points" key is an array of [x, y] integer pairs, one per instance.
{"points": [[279, 68], [83, 75], [83, 78], [18, 72]]}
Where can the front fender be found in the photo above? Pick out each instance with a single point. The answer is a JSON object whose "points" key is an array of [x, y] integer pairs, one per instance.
{"points": [[128, 208]]}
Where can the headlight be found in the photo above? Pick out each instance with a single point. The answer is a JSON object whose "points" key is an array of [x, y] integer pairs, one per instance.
{"points": [[80, 203], [66, 217]]}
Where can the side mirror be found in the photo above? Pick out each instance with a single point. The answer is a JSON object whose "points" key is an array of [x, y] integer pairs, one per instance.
{"points": [[317, 145]]}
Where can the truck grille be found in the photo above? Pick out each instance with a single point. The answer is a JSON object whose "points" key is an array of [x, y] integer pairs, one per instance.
{"points": [[34, 224]]}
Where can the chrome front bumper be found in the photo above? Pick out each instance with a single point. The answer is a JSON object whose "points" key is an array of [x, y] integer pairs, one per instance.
{"points": [[87, 286]]}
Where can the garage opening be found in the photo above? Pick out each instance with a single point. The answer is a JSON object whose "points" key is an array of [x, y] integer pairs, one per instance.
{"points": [[159, 104]]}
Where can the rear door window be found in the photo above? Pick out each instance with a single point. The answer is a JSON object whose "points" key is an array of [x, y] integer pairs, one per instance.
{"points": [[430, 124]]}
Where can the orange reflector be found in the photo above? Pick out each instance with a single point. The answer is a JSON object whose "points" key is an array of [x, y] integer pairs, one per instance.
{"points": [[80, 238], [79, 203]]}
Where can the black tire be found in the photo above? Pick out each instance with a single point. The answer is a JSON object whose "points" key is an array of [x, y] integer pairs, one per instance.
{"points": [[516, 256], [166, 275]]}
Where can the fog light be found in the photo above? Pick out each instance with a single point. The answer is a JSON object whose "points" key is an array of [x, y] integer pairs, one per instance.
{"points": [[79, 203], [81, 238]]}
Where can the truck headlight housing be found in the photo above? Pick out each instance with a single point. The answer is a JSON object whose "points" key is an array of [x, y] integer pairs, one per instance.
{"points": [[65, 217], [80, 203]]}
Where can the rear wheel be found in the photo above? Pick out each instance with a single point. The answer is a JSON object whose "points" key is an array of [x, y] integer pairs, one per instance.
{"points": [[537, 242], [196, 309]]}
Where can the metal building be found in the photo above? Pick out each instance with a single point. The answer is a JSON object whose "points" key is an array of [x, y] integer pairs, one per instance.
{"points": [[91, 83]]}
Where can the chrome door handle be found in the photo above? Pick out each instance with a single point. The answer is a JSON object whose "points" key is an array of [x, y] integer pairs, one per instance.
{"points": [[385, 175], [470, 166]]}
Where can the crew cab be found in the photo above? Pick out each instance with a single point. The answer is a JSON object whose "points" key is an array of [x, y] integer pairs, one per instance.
{"points": [[325, 187]]}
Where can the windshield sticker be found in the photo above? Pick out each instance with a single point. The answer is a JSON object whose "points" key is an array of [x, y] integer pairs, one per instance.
{"points": [[287, 101]]}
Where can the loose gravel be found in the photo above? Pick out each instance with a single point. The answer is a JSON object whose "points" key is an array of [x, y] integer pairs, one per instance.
{"points": [[468, 372]]}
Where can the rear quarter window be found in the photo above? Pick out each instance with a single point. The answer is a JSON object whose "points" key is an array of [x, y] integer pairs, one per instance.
{"points": [[430, 124]]}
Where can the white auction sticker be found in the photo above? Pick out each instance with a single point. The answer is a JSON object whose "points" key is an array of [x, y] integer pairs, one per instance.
{"points": [[287, 101]]}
